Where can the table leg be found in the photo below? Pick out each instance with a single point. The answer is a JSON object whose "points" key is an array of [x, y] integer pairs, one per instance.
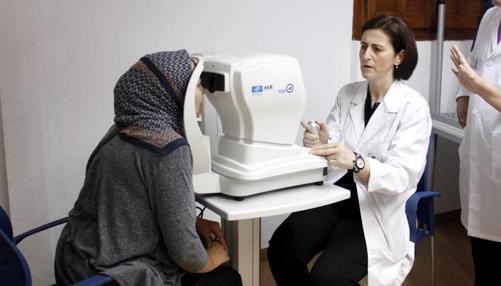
{"points": [[244, 241]]}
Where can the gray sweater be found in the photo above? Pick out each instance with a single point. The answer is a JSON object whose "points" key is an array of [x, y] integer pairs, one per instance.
{"points": [[134, 219]]}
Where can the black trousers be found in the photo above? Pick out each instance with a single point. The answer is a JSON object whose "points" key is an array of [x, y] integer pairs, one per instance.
{"points": [[221, 276], [335, 231], [486, 260]]}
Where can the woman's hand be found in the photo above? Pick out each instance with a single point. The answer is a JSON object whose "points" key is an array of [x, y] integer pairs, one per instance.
{"points": [[473, 82], [210, 231], [337, 154], [217, 254], [311, 138], [467, 76]]}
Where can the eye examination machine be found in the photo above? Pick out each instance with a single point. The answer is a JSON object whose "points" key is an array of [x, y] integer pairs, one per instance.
{"points": [[260, 100]]}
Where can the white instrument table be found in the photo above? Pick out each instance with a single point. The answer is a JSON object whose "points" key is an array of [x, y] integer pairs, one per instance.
{"points": [[241, 220]]}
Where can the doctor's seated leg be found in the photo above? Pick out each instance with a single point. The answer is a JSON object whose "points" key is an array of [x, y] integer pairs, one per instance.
{"points": [[221, 276], [304, 234], [344, 259], [296, 241]]}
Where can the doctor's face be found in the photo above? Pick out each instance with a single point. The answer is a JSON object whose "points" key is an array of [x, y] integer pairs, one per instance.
{"points": [[377, 56], [496, 3]]}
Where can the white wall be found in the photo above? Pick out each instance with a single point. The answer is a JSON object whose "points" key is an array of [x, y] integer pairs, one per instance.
{"points": [[61, 59], [23, 126]]}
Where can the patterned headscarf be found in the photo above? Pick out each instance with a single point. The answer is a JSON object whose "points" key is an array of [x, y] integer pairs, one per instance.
{"points": [[149, 100]]}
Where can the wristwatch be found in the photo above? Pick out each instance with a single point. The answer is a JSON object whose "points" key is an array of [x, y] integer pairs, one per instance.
{"points": [[358, 163]]}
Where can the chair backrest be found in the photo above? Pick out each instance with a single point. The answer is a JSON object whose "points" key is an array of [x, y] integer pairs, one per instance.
{"points": [[419, 207], [14, 270], [426, 210], [5, 224]]}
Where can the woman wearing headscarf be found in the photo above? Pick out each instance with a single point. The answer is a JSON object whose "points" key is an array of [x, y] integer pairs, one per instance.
{"points": [[135, 218]]}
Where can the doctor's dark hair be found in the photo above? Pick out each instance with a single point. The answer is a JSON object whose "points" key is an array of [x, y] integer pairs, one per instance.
{"points": [[401, 38]]}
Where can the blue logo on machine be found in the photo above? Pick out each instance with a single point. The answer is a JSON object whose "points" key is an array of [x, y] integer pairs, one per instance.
{"points": [[257, 88], [289, 88]]}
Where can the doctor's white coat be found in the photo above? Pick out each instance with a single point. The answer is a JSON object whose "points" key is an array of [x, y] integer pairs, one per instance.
{"points": [[480, 151], [395, 143]]}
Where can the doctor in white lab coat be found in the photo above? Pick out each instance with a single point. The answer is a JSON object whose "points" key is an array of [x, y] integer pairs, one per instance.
{"points": [[377, 138], [480, 151]]}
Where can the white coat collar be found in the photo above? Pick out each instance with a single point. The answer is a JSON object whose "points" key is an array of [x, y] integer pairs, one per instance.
{"points": [[357, 109], [390, 104], [394, 97], [492, 33]]}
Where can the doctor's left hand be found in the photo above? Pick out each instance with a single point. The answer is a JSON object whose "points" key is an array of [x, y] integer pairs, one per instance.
{"points": [[209, 231], [467, 76], [337, 154]]}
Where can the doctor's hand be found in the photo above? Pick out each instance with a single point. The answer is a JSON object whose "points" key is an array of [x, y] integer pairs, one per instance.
{"points": [[462, 109], [467, 76], [210, 231], [337, 154], [310, 138]]}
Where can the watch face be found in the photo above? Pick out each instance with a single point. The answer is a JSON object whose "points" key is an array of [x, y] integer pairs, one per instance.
{"points": [[360, 163]]}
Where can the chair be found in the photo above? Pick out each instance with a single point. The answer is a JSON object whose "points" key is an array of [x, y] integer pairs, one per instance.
{"points": [[14, 270], [421, 215]]}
